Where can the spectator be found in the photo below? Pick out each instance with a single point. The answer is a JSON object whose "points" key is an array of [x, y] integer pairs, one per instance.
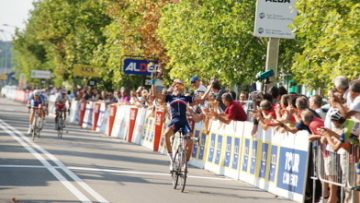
{"points": [[266, 114], [315, 103], [341, 84], [233, 111], [199, 88], [341, 136], [218, 91], [354, 108]]}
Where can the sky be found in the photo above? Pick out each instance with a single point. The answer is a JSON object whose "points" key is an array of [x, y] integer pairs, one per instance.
{"points": [[14, 13]]}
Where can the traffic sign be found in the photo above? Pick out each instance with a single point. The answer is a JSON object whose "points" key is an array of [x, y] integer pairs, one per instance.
{"points": [[273, 17], [85, 71], [140, 66], [41, 74]]}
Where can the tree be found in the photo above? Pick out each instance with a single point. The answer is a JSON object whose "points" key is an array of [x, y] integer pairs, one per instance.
{"points": [[212, 38], [329, 34]]}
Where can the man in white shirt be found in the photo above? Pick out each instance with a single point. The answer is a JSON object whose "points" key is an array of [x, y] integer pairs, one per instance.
{"points": [[354, 108]]}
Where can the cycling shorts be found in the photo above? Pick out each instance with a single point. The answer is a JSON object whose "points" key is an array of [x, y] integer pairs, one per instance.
{"points": [[60, 107], [357, 167], [175, 125]]}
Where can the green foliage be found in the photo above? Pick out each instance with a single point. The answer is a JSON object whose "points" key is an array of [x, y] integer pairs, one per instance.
{"points": [[329, 34], [59, 35], [212, 38]]}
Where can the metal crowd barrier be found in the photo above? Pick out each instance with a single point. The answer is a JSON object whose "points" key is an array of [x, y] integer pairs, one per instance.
{"points": [[338, 168]]}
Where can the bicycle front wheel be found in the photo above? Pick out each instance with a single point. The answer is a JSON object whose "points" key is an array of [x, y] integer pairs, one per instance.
{"points": [[60, 128], [183, 171], [34, 127], [175, 173]]}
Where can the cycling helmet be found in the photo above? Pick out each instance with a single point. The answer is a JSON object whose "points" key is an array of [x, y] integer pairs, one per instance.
{"points": [[37, 93], [335, 115]]}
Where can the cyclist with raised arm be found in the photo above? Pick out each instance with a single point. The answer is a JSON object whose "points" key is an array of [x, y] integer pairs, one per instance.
{"points": [[35, 103], [60, 106], [178, 107]]}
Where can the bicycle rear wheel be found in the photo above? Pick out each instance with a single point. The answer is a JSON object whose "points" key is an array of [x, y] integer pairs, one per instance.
{"points": [[175, 172], [183, 170]]}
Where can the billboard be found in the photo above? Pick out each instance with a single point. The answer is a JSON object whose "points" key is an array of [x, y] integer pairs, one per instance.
{"points": [[273, 17]]}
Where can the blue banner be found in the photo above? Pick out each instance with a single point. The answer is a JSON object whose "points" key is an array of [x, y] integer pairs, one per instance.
{"points": [[253, 157], [228, 151], [195, 146], [264, 153], [139, 66], [202, 146], [212, 147], [274, 156], [246, 155], [236, 152], [292, 170], [218, 149]]}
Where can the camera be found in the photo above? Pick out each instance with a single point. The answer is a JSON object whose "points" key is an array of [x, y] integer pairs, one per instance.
{"points": [[264, 75]]}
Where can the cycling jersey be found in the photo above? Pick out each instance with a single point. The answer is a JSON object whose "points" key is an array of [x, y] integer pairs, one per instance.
{"points": [[43, 98], [60, 102], [61, 99], [178, 106], [35, 102]]}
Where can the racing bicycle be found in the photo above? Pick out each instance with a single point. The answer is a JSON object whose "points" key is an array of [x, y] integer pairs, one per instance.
{"points": [[180, 172], [37, 122], [60, 124]]}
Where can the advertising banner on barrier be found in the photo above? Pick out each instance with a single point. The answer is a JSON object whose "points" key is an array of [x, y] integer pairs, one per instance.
{"points": [[96, 114], [217, 147], [159, 120], [198, 153], [88, 115], [139, 126], [121, 124], [102, 117], [82, 112], [149, 131], [74, 112], [276, 162], [110, 123], [132, 120]]}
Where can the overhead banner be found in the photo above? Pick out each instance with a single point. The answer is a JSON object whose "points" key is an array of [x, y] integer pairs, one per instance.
{"points": [[139, 66], [85, 71], [273, 17], [41, 74]]}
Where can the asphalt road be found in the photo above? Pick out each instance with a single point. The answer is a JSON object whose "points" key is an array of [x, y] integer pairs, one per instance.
{"points": [[88, 167]]}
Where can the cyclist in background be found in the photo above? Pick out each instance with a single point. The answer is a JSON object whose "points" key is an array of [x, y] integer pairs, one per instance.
{"points": [[35, 101], [60, 105]]}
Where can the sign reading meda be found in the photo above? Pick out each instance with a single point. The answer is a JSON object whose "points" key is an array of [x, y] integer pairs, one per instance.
{"points": [[273, 17], [85, 71], [41, 74]]}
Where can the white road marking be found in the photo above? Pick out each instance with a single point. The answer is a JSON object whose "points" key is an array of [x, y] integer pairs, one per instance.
{"points": [[116, 171], [48, 166], [85, 186]]}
